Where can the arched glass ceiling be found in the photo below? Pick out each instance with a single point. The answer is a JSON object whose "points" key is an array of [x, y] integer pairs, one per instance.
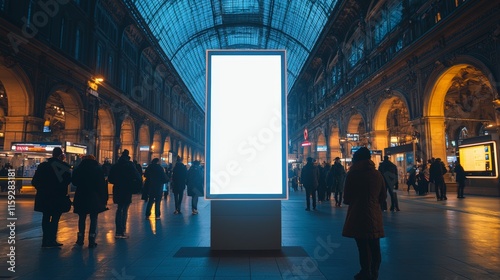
{"points": [[185, 29]]}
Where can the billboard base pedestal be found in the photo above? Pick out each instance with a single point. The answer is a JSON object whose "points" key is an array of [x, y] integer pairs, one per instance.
{"points": [[245, 225]]}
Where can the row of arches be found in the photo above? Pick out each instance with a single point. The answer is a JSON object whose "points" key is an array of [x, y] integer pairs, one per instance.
{"points": [[65, 113], [458, 103]]}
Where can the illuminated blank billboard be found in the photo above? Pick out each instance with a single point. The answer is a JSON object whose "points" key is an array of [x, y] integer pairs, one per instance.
{"points": [[246, 142]]}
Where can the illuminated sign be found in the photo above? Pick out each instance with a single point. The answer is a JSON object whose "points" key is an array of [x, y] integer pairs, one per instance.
{"points": [[479, 160], [35, 146], [352, 136], [246, 140], [321, 148], [144, 148], [74, 148]]}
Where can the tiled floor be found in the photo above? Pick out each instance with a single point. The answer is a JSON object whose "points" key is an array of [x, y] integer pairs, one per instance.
{"points": [[448, 240]]}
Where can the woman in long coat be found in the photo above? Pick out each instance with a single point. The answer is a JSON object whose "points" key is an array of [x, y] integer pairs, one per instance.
{"points": [[364, 192], [91, 196]]}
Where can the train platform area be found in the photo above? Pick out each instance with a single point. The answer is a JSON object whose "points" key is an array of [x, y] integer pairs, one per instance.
{"points": [[428, 239]]}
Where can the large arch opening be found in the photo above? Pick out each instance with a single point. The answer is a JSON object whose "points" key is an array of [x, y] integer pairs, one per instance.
{"points": [[461, 96], [144, 146], [106, 128], [321, 148], [156, 146], [127, 132], [167, 150]]}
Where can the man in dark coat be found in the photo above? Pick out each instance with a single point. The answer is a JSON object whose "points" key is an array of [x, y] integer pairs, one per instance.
{"points": [[51, 181], [310, 181], [436, 172], [91, 196], [390, 172], [179, 177], [336, 178], [364, 192], [460, 175], [155, 178], [195, 185], [125, 180]]}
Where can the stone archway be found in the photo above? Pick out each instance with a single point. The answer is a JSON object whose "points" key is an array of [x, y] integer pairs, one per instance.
{"points": [[356, 125], [167, 150], [105, 130], [127, 132], [446, 103], [18, 119], [391, 119], [156, 146], [144, 141], [321, 148], [63, 110], [334, 144]]}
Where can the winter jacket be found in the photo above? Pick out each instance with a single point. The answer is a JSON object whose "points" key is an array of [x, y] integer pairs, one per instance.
{"points": [[91, 193], [364, 192], [125, 180], [179, 177], [195, 181], [336, 177], [155, 178], [390, 173], [51, 181], [310, 176]]}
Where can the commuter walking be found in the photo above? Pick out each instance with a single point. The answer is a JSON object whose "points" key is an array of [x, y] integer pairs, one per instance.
{"points": [[364, 192], [411, 179], [125, 179], [195, 185], [390, 173], [336, 178], [460, 177], [155, 178], [436, 172], [310, 180], [323, 171], [423, 179], [179, 176], [91, 196], [51, 182]]}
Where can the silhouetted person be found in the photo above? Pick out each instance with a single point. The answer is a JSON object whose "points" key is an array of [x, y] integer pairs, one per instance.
{"points": [[51, 181], [125, 179], [179, 176], [91, 197], [3, 177], [460, 177], [155, 178], [195, 185], [390, 173], [336, 178], [364, 192], [436, 172], [323, 171], [310, 180]]}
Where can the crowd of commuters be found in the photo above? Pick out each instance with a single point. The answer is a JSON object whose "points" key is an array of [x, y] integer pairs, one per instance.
{"points": [[52, 178]]}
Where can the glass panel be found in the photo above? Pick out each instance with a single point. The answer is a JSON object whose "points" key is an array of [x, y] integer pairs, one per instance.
{"points": [[185, 29]]}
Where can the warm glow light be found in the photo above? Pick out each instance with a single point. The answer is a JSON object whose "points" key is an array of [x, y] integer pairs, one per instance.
{"points": [[99, 80]]}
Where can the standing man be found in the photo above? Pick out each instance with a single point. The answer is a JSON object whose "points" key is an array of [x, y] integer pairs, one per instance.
{"points": [[336, 178], [51, 181], [390, 173], [436, 172], [155, 178], [460, 177], [364, 192], [125, 180], [179, 177], [310, 180], [195, 185]]}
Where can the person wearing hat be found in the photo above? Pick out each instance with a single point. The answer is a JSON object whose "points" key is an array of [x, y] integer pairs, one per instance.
{"points": [[364, 192], [51, 182], [310, 181], [195, 185]]}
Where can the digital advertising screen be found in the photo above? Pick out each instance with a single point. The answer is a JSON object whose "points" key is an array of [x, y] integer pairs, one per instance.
{"points": [[246, 130], [479, 160]]}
